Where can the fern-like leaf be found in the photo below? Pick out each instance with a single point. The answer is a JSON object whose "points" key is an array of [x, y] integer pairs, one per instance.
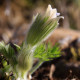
{"points": [[46, 52]]}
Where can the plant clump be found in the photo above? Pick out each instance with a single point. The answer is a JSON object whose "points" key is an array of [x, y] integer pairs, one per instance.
{"points": [[21, 58]]}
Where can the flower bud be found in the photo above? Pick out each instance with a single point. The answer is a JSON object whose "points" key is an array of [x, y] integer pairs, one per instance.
{"points": [[42, 26]]}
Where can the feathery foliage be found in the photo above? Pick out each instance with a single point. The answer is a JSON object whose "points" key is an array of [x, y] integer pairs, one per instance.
{"points": [[47, 52]]}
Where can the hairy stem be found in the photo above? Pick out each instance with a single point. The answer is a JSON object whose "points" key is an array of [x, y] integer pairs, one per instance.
{"points": [[36, 67]]}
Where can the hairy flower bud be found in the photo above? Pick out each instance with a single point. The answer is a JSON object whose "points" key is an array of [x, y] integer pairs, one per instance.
{"points": [[42, 26]]}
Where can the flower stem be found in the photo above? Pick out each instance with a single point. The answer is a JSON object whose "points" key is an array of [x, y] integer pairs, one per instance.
{"points": [[36, 67]]}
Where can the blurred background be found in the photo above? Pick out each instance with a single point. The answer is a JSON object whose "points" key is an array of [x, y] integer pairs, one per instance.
{"points": [[16, 16]]}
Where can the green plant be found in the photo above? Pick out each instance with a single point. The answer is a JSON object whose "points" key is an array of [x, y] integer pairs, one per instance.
{"points": [[21, 57]]}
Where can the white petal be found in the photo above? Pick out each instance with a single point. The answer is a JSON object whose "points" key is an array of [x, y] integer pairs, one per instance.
{"points": [[53, 13], [48, 10]]}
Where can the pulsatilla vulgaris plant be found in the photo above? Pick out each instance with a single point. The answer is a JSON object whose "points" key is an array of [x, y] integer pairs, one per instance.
{"points": [[21, 58]]}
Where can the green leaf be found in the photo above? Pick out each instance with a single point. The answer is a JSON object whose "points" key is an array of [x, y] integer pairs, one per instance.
{"points": [[2, 48], [4, 63], [9, 52], [11, 55], [47, 52], [5, 69], [17, 47]]}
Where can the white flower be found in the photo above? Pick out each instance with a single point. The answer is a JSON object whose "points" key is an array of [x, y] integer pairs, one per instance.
{"points": [[52, 13]]}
